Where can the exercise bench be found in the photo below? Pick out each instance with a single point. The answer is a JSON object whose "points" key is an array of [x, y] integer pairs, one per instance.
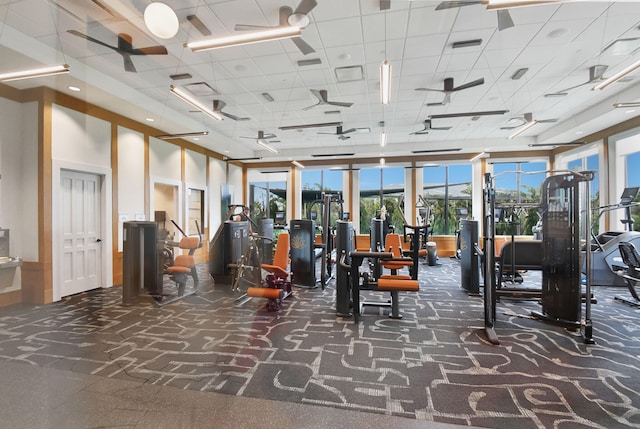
{"points": [[385, 283]]}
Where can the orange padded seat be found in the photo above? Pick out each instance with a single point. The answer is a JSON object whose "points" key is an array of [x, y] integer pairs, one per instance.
{"points": [[393, 284]]}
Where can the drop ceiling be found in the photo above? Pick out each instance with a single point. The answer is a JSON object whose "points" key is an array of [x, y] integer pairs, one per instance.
{"points": [[557, 44]]}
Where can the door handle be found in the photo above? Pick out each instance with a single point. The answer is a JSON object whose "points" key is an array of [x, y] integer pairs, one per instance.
{"points": [[98, 240]]}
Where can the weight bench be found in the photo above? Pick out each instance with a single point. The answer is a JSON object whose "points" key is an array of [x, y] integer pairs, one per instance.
{"points": [[631, 272], [386, 283]]}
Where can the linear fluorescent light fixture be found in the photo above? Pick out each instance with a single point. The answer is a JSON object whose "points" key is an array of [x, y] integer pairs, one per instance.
{"points": [[436, 150], [466, 43], [266, 146], [32, 73], [385, 82], [509, 4], [519, 73], [182, 135], [327, 155], [464, 114], [523, 129], [383, 139], [556, 144], [478, 156], [626, 105], [297, 164], [616, 77], [244, 39], [320, 125], [190, 99]]}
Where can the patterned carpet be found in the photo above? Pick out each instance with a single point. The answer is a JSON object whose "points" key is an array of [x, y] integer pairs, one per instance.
{"points": [[431, 365]]}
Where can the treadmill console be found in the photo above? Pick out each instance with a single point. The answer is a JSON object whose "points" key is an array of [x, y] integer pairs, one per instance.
{"points": [[628, 195]]}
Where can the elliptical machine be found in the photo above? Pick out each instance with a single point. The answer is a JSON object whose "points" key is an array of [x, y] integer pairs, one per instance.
{"points": [[605, 255]]}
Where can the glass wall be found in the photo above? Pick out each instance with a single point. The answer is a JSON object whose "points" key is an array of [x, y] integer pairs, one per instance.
{"points": [[518, 187], [633, 179], [266, 199], [446, 190], [378, 187], [315, 183], [590, 163]]}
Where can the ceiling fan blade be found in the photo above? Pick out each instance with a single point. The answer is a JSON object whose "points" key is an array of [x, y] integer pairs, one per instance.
{"points": [[528, 117], [441, 103], [128, 64], [596, 72], [429, 89], [268, 136], [441, 128], [150, 50], [306, 6], [218, 105], [339, 103], [304, 47], [504, 20], [418, 133], [547, 121], [319, 95], [350, 130], [343, 137], [311, 107], [234, 117], [284, 14], [91, 39], [454, 4], [469, 84], [447, 98], [249, 27]]}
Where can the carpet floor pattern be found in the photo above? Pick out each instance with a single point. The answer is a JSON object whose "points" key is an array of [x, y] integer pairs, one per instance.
{"points": [[433, 364]]}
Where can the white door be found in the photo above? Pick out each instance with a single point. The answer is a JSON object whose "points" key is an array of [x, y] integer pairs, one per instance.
{"points": [[81, 226]]}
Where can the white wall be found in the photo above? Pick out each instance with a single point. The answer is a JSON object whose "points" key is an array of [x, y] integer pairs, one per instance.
{"points": [[130, 178], [80, 142], [79, 138]]}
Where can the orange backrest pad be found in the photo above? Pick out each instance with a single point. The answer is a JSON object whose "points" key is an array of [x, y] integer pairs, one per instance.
{"points": [[281, 257], [394, 245], [189, 243]]}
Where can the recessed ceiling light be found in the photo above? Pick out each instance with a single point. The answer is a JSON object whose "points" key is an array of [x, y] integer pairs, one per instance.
{"points": [[579, 132], [150, 120], [74, 88], [630, 111], [558, 32], [196, 138]]}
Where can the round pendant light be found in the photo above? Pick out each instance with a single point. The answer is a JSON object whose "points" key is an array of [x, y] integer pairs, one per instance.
{"points": [[161, 20]]}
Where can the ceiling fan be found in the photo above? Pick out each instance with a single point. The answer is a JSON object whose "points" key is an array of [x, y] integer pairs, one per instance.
{"points": [[218, 105], [504, 17], [261, 136], [595, 74], [125, 48], [427, 128], [341, 133], [526, 119], [321, 95], [290, 18], [449, 89]]}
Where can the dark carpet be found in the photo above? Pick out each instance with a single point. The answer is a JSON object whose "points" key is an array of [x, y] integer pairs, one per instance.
{"points": [[431, 365]]}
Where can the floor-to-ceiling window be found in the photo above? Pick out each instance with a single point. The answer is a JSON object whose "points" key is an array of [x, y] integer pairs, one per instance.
{"points": [[447, 193], [381, 186], [315, 184], [267, 195], [518, 192], [590, 163], [633, 180]]}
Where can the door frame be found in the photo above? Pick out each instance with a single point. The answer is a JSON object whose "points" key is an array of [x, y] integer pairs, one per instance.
{"points": [[106, 198]]}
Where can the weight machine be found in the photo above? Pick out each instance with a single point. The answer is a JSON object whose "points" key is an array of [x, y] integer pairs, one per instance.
{"points": [[561, 294], [329, 203]]}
